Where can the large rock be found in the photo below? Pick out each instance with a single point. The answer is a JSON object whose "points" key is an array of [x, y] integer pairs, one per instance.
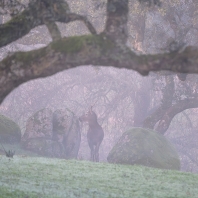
{"points": [[66, 130], [53, 134], [39, 125], [144, 147], [9, 131]]}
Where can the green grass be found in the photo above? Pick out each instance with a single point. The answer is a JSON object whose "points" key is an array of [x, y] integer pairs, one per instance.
{"points": [[42, 177]]}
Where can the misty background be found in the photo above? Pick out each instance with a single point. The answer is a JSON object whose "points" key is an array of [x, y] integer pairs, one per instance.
{"points": [[121, 98]]}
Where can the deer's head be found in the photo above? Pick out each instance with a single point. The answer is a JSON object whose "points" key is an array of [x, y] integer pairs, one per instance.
{"points": [[90, 117]]}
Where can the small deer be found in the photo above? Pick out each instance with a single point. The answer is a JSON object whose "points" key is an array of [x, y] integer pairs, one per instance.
{"points": [[95, 133]]}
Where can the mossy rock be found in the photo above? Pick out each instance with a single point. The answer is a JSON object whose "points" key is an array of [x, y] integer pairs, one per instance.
{"points": [[9, 131], [144, 147]]}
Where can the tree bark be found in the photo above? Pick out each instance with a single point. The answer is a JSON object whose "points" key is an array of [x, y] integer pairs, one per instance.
{"points": [[40, 12], [84, 50], [107, 49], [166, 102], [141, 103], [116, 23]]}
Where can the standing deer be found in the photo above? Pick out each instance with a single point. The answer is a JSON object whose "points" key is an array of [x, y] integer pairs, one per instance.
{"points": [[95, 133]]}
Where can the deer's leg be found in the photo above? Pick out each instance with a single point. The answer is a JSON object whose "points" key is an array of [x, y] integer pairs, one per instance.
{"points": [[97, 152], [91, 146], [92, 152]]}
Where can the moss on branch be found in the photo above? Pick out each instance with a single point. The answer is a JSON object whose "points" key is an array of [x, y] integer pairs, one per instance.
{"points": [[75, 44]]}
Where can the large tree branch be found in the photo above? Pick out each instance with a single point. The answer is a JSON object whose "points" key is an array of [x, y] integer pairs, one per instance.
{"points": [[116, 23], [40, 12], [166, 102], [85, 50], [174, 110]]}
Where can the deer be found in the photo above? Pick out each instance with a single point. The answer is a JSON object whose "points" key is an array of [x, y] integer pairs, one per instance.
{"points": [[95, 133]]}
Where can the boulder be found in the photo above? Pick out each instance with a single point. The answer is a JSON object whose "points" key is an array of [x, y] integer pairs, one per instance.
{"points": [[66, 130], [39, 125], [144, 147], [53, 134], [9, 131]]}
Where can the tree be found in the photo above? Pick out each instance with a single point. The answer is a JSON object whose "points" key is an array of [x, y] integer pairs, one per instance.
{"points": [[106, 48]]}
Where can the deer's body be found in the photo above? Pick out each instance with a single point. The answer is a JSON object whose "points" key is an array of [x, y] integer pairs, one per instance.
{"points": [[95, 133]]}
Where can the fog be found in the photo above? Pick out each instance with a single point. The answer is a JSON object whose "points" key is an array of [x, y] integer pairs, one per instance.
{"points": [[121, 99], [53, 116]]}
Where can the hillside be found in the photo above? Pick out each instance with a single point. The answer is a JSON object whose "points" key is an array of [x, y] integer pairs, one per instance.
{"points": [[41, 177]]}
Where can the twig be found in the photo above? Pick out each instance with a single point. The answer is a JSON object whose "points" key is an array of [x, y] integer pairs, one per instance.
{"points": [[8, 153]]}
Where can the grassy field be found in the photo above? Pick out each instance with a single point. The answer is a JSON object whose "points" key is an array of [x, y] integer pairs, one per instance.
{"points": [[42, 177]]}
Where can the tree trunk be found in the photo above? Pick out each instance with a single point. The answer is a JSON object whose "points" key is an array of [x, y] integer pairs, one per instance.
{"points": [[116, 23]]}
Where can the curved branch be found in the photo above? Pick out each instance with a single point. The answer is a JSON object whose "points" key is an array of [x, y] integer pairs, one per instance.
{"points": [[166, 102], [174, 110]]}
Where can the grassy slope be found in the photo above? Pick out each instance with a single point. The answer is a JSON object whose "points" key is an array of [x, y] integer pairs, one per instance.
{"points": [[41, 177]]}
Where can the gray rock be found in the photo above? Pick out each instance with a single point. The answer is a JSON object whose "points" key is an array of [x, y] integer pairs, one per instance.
{"points": [[39, 125], [144, 147], [53, 134], [66, 131]]}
